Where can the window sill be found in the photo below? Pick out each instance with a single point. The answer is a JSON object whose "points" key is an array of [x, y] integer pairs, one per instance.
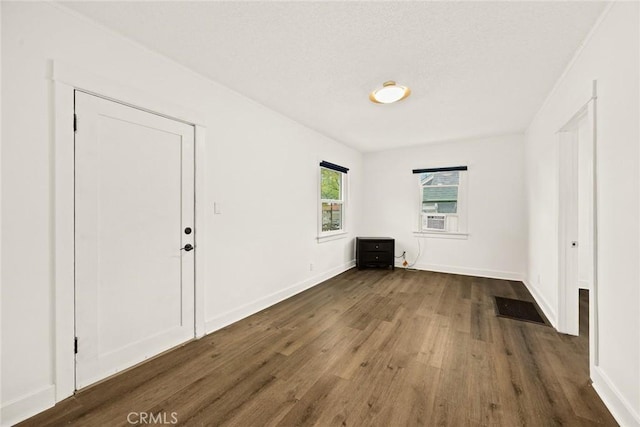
{"points": [[441, 235], [334, 236]]}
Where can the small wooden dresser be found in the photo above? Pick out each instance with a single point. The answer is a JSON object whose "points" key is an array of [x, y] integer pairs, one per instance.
{"points": [[375, 252]]}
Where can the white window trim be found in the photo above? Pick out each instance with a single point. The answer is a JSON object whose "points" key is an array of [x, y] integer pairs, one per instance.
{"points": [[326, 236], [334, 236], [462, 233], [442, 235]]}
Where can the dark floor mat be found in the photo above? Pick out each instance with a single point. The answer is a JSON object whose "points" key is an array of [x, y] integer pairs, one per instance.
{"points": [[518, 309]]}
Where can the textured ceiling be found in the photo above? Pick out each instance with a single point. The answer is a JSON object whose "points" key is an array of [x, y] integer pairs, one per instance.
{"points": [[474, 68]]}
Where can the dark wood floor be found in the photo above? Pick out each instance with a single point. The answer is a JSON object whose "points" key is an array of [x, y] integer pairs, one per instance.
{"points": [[385, 348]]}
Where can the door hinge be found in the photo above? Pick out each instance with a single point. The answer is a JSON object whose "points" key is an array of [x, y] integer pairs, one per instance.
{"points": [[75, 345], [75, 123]]}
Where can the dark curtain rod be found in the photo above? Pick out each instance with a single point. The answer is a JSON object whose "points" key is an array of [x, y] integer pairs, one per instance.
{"points": [[334, 167], [449, 169]]}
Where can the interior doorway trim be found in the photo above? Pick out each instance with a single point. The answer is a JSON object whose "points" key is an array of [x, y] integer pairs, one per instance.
{"points": [[65, 79], [569, 172]]}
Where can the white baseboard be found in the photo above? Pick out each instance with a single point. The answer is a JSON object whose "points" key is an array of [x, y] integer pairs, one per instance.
{"points": [[548, 310], [492, 274], [253, 307], [27, 406], [619, 407]]}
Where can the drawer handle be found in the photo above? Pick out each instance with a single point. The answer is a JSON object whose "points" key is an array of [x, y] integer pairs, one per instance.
{"points": [[376, 257], [377, 246]]}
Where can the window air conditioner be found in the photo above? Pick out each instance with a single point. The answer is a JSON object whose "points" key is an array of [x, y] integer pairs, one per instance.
{"points": [[434, 222]]}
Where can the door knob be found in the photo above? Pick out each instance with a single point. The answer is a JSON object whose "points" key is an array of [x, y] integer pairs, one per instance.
{"points": [[188, 247]]}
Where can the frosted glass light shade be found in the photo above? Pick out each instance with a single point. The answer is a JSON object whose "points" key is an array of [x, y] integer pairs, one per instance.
{"points": [[389, 93]]}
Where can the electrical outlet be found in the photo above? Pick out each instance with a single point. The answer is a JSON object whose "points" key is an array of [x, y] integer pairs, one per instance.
{"points": [[311, 267]]}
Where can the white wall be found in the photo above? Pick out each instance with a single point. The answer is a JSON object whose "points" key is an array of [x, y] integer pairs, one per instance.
{"points": [[611, 57], [255, 158], [496, 245]]}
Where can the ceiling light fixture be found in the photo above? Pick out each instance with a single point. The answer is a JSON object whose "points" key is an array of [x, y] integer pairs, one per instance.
{"points": [[389, 93]]}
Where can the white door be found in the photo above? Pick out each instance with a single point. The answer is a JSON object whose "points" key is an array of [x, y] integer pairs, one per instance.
{"points": [[577, 218], [134, 203], [568, 319]]}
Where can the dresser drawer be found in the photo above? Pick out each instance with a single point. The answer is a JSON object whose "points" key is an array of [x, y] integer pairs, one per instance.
{"points": [[376, 246], [376, 258]]}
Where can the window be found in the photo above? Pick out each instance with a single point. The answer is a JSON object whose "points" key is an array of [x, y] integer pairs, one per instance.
{"points": [[332, 198], [441, 199], [440, 192]]}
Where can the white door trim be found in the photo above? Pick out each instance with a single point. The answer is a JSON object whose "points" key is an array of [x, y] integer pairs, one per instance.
{"points": [[65, 80], [566, 325]]}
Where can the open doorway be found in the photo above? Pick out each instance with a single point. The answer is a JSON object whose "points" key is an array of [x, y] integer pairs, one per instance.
{"points": [[577, 226]]}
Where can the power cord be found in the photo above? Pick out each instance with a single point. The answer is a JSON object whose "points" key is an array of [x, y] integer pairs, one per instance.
{"points": [[404, 258], [410, 266]]}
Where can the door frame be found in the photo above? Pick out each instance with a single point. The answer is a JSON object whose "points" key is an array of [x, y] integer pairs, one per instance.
{"points": [[568, 182], [65, 80]]}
